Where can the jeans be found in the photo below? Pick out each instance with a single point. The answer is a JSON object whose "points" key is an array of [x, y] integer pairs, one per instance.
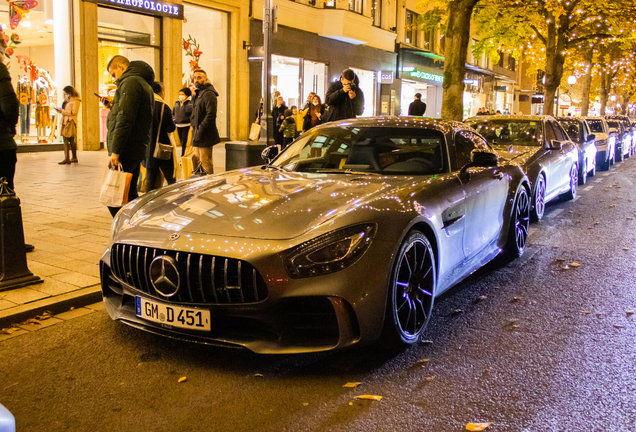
{"points": [[25, 119], [133, 168], [8, 160]]}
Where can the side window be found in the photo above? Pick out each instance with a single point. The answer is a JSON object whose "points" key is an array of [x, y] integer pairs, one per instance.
{"points": [[558, 130], [464, 145], [480, 142], [549, 132]]}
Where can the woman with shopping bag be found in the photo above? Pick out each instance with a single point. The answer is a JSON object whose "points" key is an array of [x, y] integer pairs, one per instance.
{"points": [[69, 111], [160, 151]]}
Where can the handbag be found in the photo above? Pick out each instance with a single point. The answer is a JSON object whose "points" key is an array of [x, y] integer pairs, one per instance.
{"points": [[327, 114], [255, 131], [162, 151], [114, 192], [70, 129]]}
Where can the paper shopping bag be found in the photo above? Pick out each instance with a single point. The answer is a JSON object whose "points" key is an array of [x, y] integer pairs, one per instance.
{"points": [[255, 131], [186, 167], [115, 188]]}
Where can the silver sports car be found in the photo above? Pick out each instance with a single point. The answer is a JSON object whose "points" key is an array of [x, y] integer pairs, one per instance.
{"points": [[344, 238]]}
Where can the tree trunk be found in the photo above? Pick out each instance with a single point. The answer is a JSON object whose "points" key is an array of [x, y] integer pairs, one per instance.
{"points": [[587, 82], [457, 39], [553, 65], [604, 90]]}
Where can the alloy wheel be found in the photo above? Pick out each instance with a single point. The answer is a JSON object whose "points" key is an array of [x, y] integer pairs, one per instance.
{"points": [[539, 198], [522, 221]]}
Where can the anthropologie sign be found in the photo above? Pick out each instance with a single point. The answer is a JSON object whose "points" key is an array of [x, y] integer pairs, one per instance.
{"points": [[146, 6], [427, 76]]}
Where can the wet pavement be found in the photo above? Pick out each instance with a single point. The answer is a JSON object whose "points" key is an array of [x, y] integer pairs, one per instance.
{"points": [[528, 345]]}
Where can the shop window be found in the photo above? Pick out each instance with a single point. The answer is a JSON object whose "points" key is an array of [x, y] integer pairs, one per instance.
{"points": [[442, 44], [285, 79], [330, 4], [355, 6], [46, 46], [207, 31], [411, 28], [511, 63], [368, 84], [314, 80], [376, 12], [501, 58], [428, 40]]}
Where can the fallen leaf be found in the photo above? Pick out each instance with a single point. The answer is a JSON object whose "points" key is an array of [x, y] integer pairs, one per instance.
{"points": [[565, 267], [477, 426], [32, 321], [369, 397], [597, 223], [629, 312], [305, 403], [44, 316], [258, 375], [560, 259], [515, 326], [352, 384], [427, 341], [431, 378], [575, 264], [458, 311], [517, 298], [625, 249], [9, 330], [73, 308], [585, 312], [350, 403], [424, 360], [182, 379], [630, 218], [555, 247], [618, 326]]}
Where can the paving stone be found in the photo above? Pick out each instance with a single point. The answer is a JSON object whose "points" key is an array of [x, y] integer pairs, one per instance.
{"points": [[6, 304], [74, 313], [47, 257], [97, 306], [42, 244], [89, 257], [62, 232], [24, 295], [42, 324], [43, 270], [77, 279], [90, 269], [99, 248], [20, 332], [55, 287]]}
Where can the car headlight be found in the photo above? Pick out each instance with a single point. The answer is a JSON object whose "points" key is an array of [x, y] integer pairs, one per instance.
{"points": [[330, 252]]}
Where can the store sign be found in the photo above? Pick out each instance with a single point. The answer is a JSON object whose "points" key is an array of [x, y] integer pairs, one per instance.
{"points": [[472, 82], [427, 76], [146, 6], [503, 89], [386, 77]]}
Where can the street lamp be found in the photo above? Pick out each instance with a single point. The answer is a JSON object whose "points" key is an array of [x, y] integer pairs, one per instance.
{"points": [[571, 80]]}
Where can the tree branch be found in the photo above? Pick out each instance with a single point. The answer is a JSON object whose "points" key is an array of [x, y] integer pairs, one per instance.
{"points": [[539, 35], [573, 42]]}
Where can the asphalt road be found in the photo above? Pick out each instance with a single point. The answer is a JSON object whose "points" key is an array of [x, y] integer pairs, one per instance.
{"points": [[528, 346]]}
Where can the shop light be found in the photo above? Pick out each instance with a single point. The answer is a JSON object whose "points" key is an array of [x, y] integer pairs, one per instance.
{"points": [[26, 23], [49, 21]]}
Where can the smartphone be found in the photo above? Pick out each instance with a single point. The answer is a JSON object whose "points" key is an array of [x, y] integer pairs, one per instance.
{"points": [[98, 95]]}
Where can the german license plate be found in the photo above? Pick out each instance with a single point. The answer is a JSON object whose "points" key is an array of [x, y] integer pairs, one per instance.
{"points": [[173, 316]]}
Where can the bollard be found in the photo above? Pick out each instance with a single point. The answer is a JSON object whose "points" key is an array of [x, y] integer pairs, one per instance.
{"points": [[14, 272]]}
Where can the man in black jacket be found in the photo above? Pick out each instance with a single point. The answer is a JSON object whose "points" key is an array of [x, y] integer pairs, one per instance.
{"points": [[130, 117], [344, 97], [417, 107], [204, 131]]}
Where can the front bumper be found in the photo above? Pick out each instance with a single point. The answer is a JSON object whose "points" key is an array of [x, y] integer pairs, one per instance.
{"points": [[319, 313]]}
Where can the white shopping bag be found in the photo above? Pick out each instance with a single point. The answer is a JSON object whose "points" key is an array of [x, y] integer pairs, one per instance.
{"points": [[115, 187]]}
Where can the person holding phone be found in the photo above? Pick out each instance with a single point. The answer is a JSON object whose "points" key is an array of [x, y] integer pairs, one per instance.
{"points": [[344, 97], [69, 111]]}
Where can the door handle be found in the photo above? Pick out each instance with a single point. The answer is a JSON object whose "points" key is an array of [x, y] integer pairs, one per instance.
{"points": [[498, 175]]}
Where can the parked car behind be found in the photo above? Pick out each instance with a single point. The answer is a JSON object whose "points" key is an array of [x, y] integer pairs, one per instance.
{"points": [[605, 142], [541, 147], [585, 141], [623, 137]]}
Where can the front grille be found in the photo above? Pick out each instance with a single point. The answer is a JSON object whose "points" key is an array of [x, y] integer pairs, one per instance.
{"points": [[204, 278]]}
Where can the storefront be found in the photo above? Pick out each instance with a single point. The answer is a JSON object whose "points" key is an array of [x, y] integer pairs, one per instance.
{"points": [[295, 78], [40, 66], [420, 72], [174, 38]]}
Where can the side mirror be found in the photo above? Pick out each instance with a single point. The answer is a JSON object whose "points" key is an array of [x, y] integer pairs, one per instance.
{"points": [[555, 145], [591, 137], [270, 153], [483, 159]]}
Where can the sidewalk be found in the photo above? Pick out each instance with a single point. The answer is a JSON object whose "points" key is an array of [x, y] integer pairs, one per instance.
{"points": [[69, 228]]}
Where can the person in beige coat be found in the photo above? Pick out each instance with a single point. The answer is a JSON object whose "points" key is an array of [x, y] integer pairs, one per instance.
{"points": [[69, 111]]}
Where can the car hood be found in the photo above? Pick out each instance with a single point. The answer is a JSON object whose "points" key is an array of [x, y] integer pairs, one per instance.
{"points": [[516, 153], [601, 136], [261, 204]]}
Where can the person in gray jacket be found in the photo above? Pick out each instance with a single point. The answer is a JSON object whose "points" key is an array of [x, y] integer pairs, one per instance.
{"points": [[182, 112], [203, 120]]}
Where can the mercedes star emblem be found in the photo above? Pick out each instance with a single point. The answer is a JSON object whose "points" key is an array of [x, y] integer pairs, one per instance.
{"points": [[164, 275], [174, 236]]}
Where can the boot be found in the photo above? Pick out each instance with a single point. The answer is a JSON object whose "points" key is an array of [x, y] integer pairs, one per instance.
{"points": [[66, 160], [74, 150]]}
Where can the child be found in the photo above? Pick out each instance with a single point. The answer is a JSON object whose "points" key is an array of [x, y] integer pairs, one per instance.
{"points": [[298, 119], [288, 128]]}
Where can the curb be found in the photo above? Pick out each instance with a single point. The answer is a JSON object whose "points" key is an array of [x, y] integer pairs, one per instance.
{"points": [[55, 305]]}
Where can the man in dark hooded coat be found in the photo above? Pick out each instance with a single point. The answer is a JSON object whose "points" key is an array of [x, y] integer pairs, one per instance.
{"points": [[344, 98]]}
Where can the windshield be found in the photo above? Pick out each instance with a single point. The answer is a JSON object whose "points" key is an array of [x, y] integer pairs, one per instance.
{"points": [[596, 126], [375, 150], [573, 128], [510, 132], [614, 124]]}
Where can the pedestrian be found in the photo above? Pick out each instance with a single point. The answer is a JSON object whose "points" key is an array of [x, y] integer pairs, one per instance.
{"points": [[417, 107], [498, 112], [204, 131], [130, 118], [288, 128], [259, 112], [312, 118], [162, 125], [182, 113], [69, 111], [298, 120], [278, 115], [344, 97]]}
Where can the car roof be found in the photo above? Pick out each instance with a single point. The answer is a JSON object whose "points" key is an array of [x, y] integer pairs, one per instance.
{"points": [[511, 117], [444, 126], [576, 119]]}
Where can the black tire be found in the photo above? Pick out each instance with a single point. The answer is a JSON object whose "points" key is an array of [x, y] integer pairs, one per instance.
{"points": [[538, 199], [574, 184], [583, 172], [592, 172], [519, 225], [605, 165], [619, 154], [411, 292]]}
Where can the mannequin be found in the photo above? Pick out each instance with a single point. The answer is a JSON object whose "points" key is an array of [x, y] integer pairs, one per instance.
{"points": [[42, 108], [24, 91]]}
